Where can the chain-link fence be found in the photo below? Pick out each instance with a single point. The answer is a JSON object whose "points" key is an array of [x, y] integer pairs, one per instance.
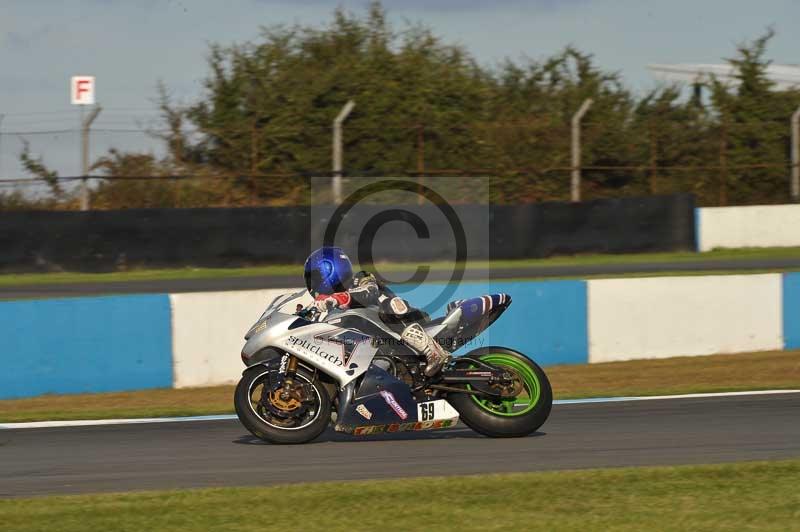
{"points": [[721, 163]]}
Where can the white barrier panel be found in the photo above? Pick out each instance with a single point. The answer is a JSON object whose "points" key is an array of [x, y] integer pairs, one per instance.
{"points": [[208, 331], [661, 317], [743, 227]]}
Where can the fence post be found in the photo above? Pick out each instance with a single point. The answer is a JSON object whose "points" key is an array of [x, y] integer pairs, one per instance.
{"points": [[653, 158], [795, 187], [253, 148], [575, 185], [87, 123], [2, 116], [723, 163], [336, 184], [420, 160], [252, 181]]}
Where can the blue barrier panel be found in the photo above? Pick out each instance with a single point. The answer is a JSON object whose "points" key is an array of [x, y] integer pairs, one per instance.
{"points": [[791, 310], [698, 242], [547, 320], [78, 345]]}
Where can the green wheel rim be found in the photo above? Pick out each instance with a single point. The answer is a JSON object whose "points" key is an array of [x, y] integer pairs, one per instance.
{"points": [[530, 383]]}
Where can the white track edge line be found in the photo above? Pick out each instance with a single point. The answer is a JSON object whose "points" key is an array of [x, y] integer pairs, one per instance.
{"points": [[97, 422], [226, 417], [662, 397]]}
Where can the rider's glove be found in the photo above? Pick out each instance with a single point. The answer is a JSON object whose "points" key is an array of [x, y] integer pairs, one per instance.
{"points": [[326, 303]]}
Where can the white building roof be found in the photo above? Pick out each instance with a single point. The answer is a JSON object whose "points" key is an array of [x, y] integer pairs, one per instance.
{"points": [[784, 76]]}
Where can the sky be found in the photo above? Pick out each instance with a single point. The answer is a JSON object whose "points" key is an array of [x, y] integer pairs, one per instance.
{"points": [[130, 46]]}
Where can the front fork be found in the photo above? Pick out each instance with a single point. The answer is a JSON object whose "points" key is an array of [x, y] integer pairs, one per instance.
{"points": [[288, 371]]}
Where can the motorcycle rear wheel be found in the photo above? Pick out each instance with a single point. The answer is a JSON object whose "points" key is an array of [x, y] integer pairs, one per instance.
{"points": [[263, 425], [514, 417]]}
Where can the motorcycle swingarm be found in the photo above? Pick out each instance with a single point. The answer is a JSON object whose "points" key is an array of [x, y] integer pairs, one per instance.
{"points": [[481, 379]]}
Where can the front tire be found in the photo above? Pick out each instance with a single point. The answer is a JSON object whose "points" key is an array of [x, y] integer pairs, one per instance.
{"points": [[267, 427], [512, 418]]}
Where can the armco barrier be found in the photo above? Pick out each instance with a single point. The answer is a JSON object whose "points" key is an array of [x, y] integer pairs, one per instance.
{"points": [[670, 316], [138, 342], [84, 345], [753, 226]]}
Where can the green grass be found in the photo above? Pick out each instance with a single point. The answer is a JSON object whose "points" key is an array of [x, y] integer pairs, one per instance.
{"points": [[293, 269], [637, 275], [677, 375], [731, 497], [640, 258]]}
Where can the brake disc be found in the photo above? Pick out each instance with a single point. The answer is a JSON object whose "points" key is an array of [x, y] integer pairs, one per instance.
{"points": [[284, 403], [513, 388]]}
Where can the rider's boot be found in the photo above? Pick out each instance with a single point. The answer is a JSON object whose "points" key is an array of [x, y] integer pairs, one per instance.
{"points": [[415, 337]]}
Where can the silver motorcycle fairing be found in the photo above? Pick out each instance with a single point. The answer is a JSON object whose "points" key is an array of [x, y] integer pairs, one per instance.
{"points": [[447, 325], [277, 304], [367, 314], [381, 403], [344, 354], [340, 350]]}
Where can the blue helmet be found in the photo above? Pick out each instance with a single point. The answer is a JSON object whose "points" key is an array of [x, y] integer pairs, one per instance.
{"points": [[328, 270]]}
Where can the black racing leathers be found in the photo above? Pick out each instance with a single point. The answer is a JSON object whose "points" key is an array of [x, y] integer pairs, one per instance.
{"points": [[367, 291]]}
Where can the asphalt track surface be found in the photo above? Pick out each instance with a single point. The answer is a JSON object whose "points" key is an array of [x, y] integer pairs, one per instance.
{"points": [[291, 281], [113, 458]]}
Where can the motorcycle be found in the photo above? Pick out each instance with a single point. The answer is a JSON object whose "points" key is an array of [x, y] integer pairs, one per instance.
{"points": [[308, 369]]}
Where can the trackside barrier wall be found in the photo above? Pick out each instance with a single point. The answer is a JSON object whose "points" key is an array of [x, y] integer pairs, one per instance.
{"points": [[108, 240], [669, 316], [98, 344], [742, 227], [546, 320], [791, 310], [120, 343], [208, 333]]}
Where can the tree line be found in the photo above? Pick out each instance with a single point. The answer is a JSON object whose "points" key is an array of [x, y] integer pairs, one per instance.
{"points": [[425, 107]]}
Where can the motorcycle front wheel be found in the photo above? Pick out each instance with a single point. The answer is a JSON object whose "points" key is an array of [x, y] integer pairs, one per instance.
{"points": [[513, 416], [275, 421]]}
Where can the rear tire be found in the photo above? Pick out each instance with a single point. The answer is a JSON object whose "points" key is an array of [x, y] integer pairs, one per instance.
{"points": [[259, 425], [486, 418]]}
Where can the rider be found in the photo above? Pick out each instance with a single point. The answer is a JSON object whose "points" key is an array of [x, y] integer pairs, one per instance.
{"points": [[330, 280]]}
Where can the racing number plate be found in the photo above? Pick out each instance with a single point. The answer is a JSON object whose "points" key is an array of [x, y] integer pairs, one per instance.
{"points": [[426, 411], [435, 410]]}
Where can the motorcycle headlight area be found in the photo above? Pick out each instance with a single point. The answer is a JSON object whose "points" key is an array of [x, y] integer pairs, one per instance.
{"points": [[257, 328]]}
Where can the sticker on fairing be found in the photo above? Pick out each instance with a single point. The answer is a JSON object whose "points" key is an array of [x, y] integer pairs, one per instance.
{"points": [[402, 427], [393, 404], [364, 411]]}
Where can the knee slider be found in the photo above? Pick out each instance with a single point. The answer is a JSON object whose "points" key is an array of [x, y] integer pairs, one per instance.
{"points": [[398, 306]]}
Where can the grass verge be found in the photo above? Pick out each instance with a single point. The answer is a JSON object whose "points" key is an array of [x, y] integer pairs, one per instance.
{"points": [[293, 269], [678, 375], [715, 373], [743, 496]]}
